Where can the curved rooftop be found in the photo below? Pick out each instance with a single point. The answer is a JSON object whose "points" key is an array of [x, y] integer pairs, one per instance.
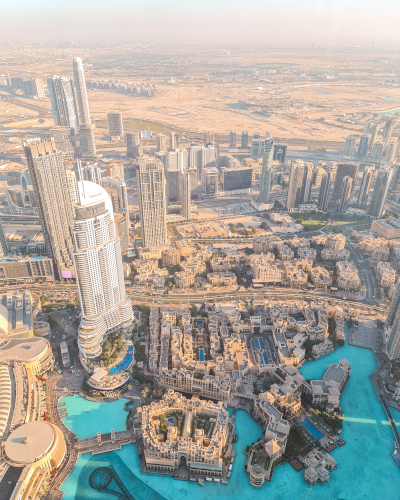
{"points": [[93, 194], [29, 442], [23, 350]]}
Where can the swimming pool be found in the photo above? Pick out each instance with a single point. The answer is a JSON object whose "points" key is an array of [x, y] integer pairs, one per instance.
{"points": [[124, 363], [171, 420], [314, 431], [201, 354]]}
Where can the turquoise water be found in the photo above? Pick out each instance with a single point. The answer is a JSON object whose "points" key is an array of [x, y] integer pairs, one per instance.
{"points": [[391, 111], [87, 418], [366, 469]]}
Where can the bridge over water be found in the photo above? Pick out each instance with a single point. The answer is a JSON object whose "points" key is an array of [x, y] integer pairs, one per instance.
{"points": [[102, 443]]}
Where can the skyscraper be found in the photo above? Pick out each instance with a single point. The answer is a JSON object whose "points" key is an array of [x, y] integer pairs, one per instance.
{"points": [[363, 146], [63, 101], [98, 268], [381, 188], [115, 125], [152, 203], [343, 170], [376, 153], [266, 171], [324, 192], [3, 242], [395, 186], [349, 146], [208, 137], [195, 154], [347, 186], [391, 149], [161, 142], [307, 181], [209, 156], [387, 132], [49, 180], [245, 140], [66, 140], [209, 180], [87, 145], [232, 139], [280, 151], [374, 133], [173, 140], [80, 89], [185, 194], [259, 146], [295, 189], [365, 187], [133, 147]]}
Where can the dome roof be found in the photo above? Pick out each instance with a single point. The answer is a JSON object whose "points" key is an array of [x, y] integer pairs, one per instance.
{"points": [[93, 194], [29, 442]]}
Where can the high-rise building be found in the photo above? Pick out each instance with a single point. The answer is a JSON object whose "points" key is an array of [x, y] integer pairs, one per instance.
{"points": [[379, 194], [173, 140], [387, 132], [391, 150], [307, 181], [185, 194], [195, 155], [349, 146], [63, 101], [161, 142], [49, 180], [32, 87], [363, 146], [280, 151], [122, 229], [324, 191], [209, 156], [208, 138], [374, 133], [266, 171], [65, 139], [3, 242], [260, 146], [115, 170], [245, 140], [209, 180], [395, 186], [87, 144], [232, 139], [343, 169], [115, 125], [152, 203], [133, 147], [238, 178], [98, 269], [377, 151], [80, 92], [365, 187], [92, 173], [194, 183], [347, 186], [176, 159], [295, 192]]}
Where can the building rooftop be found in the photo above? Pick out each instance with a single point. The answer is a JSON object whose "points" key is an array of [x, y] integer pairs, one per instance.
{"points": [[29, 442], [23, 350]]}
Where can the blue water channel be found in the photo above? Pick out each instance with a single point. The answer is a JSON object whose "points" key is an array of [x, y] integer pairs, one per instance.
{"points": [[391, 112], [365, 470]]}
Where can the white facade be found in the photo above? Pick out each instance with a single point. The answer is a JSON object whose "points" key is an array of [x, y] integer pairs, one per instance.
{"points": [[80, 89], [98, 268]]}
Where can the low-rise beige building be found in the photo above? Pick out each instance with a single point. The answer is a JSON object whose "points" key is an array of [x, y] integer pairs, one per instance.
{"points": [[184, 279], [221, 279]]}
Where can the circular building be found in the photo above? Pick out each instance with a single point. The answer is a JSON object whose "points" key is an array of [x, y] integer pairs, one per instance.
{"points": [[257, 476], [39, 444]]}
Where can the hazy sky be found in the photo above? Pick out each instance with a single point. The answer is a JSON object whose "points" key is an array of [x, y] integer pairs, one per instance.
{"points": [[225, 21]]}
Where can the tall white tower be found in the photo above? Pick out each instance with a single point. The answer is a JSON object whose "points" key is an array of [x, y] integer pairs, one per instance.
{"points": [[98, 267], [80, 89]]}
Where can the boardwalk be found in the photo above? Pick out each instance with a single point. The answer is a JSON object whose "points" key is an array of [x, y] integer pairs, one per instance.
{"points": [[102, 443]]}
